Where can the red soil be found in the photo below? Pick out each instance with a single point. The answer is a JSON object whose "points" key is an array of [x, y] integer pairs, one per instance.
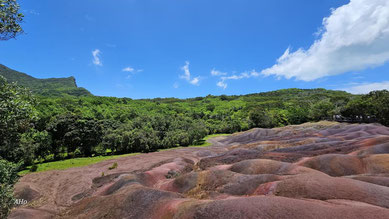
{"points": [[314, 170]]}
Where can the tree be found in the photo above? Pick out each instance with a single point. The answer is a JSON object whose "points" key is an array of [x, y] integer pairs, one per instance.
{"points": [[38, 144], [278, 118], [322, 109], [380, 105], [211, 107], [8, 178], [260, 118], [71, 132], [86, 135], [297, 115], [112, 140], [373, 105], [359, 106], [144, 140], [10, 19], [182, 138], [16, 116], [196, 131], [58, 128]]}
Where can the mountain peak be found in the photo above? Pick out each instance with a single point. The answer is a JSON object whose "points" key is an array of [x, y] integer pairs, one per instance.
{"points": [[54, 87]]}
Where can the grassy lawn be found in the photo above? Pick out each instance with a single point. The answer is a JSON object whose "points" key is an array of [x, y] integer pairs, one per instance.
{"points": [[85, 161]]}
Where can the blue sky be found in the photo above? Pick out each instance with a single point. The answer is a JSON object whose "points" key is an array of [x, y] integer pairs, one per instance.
{"points": [[189, 48]]}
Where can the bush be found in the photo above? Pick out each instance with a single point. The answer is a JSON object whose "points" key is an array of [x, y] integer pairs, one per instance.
{"points": [[34, 168], [8, 177], [114, 166]]}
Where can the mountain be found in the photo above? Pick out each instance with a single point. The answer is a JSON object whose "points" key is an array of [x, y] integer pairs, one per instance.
{"points": [[53, 87]]}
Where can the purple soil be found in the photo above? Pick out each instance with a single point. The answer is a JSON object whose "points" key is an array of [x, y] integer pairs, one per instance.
{"points": [[314, 170]]}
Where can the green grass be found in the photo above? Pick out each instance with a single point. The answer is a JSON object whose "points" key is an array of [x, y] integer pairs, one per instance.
{"points": [[85, 161], [75, 162], [203, 142]]}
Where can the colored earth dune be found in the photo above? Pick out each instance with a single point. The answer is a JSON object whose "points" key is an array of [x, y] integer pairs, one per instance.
{"points": [[313, 170]]}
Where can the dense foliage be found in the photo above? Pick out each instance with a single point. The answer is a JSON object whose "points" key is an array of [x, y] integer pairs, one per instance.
{"points": [[8, 177], [10, 19], [91, 125], [373, 105], [17, 113]]}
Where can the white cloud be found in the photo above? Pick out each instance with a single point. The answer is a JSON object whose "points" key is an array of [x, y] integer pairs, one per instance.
{"points": [[195, 81], [96, 57], [366, 88], [132, 71], [354, 37], [128, 69], [176, 85], [217, 73], [223, 84], [187, 75]]}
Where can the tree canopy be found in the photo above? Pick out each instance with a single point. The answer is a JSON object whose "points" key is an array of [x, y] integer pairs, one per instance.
{"points": [[16, 115], [10, 19]]}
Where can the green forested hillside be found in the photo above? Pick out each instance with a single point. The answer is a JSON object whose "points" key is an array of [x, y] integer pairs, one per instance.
{"points": [[65, 126], [89, 125], [53, 87]]}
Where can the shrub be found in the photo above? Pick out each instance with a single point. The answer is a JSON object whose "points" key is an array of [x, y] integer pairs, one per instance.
{"points": [[114, 166], [8, 177], [34, 168]]}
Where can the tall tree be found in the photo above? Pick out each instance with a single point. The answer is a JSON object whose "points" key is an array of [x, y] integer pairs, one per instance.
{"points": [[16, 115], [15, 110], [10, 19]]}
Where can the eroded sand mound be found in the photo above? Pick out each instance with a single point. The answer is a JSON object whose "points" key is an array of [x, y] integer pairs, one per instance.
{"points": [[314, 170]]}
